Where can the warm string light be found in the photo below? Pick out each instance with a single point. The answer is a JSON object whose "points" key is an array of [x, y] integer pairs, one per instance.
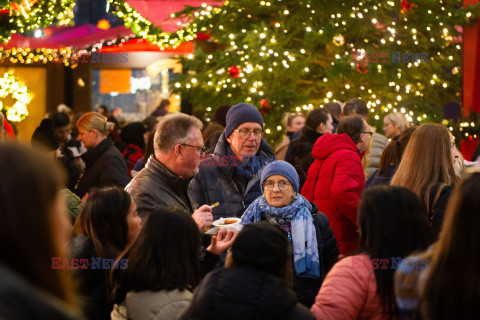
{"points": [[39, 15], [262, 51], [15, 90]]}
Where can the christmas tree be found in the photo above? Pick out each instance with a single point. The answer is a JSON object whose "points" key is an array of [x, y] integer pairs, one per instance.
{"points": [[291, 55]]}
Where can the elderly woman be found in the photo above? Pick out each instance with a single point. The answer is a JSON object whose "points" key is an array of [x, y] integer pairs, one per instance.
{"points": [[315, 249], [394, 124]]}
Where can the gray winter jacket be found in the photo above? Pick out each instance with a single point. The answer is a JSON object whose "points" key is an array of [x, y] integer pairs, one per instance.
{"points": [[150, 305], [218, 181], [158, 187]]}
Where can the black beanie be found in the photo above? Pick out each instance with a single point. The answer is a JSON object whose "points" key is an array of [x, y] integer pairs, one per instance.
{"points": [[240, 114], [261, 246]]}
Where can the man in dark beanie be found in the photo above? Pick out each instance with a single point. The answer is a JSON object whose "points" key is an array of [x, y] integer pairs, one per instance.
{"points": [[232, 175]]}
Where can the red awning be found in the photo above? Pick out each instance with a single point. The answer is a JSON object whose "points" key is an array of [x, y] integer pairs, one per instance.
{"points": [[158, 11], [144, 45], [19, 41]]}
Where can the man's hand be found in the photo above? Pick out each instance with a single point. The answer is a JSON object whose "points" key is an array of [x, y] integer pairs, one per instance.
{"points": [[203, 217], [222, 241]]}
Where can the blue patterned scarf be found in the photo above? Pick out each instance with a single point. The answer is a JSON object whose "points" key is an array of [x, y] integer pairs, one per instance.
{"points": [[248, 168], [304, 237]]}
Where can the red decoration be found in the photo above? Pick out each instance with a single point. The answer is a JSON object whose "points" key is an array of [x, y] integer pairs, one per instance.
{"points": [[362, 67], [264, 106], [407, 6], [4, 11], [234, 71]]}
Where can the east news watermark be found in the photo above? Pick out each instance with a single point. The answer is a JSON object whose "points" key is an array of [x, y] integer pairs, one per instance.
{"points": [[94, 263], [360, 56]]}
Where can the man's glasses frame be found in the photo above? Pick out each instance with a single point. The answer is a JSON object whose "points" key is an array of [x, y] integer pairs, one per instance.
{"points": [[245, 133]]}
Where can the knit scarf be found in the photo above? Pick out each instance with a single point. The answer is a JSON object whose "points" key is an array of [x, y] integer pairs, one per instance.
{"points": [[304, 238], [248, 168]]}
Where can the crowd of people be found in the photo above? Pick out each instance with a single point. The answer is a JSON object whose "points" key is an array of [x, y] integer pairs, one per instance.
{"points": [[337, 221]]}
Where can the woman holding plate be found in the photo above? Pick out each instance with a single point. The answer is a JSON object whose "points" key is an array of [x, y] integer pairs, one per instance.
{"points": [[315, 248]]}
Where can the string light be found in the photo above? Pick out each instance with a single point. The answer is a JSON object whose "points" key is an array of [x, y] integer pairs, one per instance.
{"points": [[13, 89]]}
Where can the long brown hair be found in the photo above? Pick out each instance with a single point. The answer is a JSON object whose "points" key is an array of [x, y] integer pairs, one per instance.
{"points": [[427, 163], [29, 240], [452, 289], [104, 220]]}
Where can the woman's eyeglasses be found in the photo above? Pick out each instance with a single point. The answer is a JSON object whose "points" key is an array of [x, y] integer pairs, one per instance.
{"points": [[282, 185]]}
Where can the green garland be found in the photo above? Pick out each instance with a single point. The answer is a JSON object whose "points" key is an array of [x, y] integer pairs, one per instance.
{"points": [[144, 28], [41, 14]]}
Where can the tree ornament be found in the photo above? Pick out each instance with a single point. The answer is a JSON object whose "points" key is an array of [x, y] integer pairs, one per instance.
{"points": [[407, 6], [455, 70], [234, 71], [265, 108], [362, 67], [338, 40], [16, 94]]}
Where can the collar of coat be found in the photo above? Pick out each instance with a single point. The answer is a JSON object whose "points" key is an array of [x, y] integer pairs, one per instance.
{"points": [[92, 155], [174, 181]]}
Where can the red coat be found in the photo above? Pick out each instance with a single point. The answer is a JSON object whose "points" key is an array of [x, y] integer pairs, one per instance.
{"points": [[334, 183]]}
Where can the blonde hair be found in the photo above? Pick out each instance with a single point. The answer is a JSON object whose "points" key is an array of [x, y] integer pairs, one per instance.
{"points": [[94, 120], [398, 120], [427, 162], [289, 116]]}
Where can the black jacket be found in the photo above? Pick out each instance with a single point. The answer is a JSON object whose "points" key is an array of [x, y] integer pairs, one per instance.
{"points": [[217, 181], [243, 294], [437, 209], [307, 289], [91, 283], [299, 153], [19, 300], [383, 180], [158, 187], [105, 166]]}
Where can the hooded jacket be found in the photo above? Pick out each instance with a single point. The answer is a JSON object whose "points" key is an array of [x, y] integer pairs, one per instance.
{"points": [[217, 181], [243, 294], [334, 183]]}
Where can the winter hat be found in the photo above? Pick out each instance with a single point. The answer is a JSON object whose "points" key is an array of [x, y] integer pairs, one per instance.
{"points": [[282, 168], [240, 114], [220, 115], [261, 246]]}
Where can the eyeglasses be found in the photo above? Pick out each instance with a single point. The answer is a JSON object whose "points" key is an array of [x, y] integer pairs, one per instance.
{"points": [[368, 132], [282, 185], [201, 149], [245, 133]]}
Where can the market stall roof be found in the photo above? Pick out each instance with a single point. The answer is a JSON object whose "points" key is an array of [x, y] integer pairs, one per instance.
{"points": [[158, 11], [83, 36], [19, 41], [144, 45]]}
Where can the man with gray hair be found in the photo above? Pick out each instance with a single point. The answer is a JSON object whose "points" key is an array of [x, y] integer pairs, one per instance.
{"points": [[164, 181]]}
